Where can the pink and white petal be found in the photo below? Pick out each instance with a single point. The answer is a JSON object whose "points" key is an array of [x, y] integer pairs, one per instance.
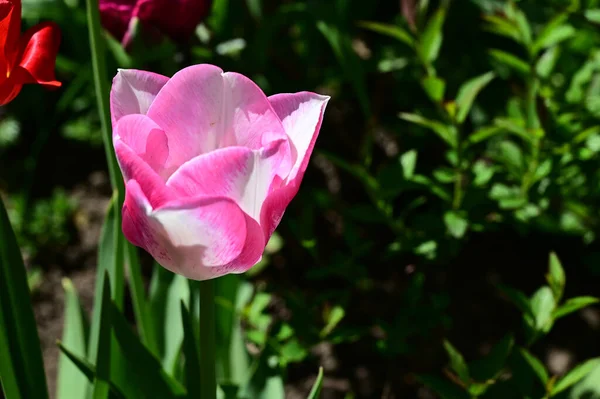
{"points": [[135, 168], [146, 139], [275, 205], [301, 115], [239, 173], [202, 109], [251, 253], [133, 91], [201, 236]]}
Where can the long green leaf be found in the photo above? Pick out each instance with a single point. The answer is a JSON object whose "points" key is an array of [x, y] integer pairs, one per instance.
{"points": [[179, 290], [86, 369], [457, 362], [71, 383], [147, 372], [101, 344], [141, 305], [190, 351], [21, 366]]}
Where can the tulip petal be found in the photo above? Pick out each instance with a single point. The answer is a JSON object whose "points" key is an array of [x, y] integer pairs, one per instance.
{"points": [[135, 168], [133, 91], [115, 16], [39, 46], [146, 139], [10, 30], [239, 173], [301, 115], [9, 89], [199, 238], [202, 109]]}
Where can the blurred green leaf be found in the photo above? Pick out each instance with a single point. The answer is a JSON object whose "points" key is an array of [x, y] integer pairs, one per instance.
{"points": [[446, 133], [537, 366], [408, 160], [517, 298], [21, 365], [434, 87], [456, 223], [315, 392], [70, 381], [546, 63], [552, 34], [430, 41], [512, 61], [492, 364], [393, 31], [556, 277], [334, 317], [457, 362], [351, 65], [574, 304], [444, 388], [542, 306], [467, 93], [255, 8], [574, 376], [593, 15]]}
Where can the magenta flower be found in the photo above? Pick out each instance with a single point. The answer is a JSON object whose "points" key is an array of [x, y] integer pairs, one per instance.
{"points": [[210, 164], [175, 18]]}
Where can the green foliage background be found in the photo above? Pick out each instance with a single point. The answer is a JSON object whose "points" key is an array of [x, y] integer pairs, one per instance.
{"points": [[460, 148]]}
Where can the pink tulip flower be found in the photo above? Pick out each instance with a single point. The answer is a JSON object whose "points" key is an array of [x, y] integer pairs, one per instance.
{"points": [[210, 164], [175, 18]]}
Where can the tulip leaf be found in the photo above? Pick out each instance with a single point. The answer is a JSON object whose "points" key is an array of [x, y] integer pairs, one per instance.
{"points": [[179, 290], [21, 366], [315, 392], [147, 373], [141, 306], [70, 381], [233, 361], [191, 353], [101, 347], [468, 92], [86, 369]]}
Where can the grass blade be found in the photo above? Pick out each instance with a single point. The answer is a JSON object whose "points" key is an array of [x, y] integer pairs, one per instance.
{"points": [[21, 365]]}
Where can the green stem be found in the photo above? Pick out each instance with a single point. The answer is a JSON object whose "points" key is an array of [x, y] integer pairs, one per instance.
{"points": [[102, 93], [208, 380]]}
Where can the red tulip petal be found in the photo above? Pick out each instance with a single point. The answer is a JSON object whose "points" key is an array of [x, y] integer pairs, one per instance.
{"points": [[39, 47], [10, 29]]}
